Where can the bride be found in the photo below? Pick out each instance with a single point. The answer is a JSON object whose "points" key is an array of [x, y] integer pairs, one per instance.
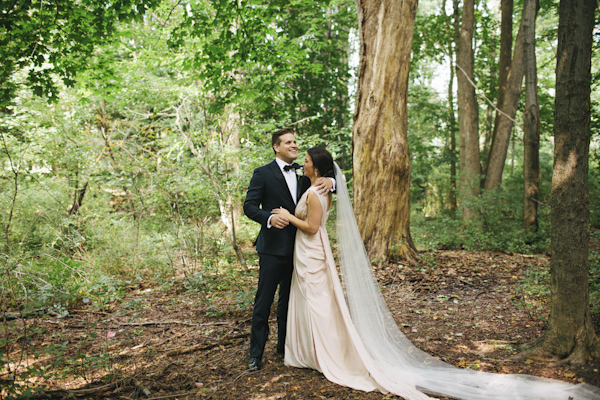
{"points": [[347, 333]]}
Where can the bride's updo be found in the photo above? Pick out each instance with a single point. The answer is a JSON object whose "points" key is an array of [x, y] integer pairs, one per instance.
{"points": [[322, 161]]}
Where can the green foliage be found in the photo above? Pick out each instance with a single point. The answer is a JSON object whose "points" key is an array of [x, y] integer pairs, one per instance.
{"points": [[486, 62], [497, 227], [284, 61], [535, 287], [434, 38], [13, 351], [533, 292], [47, 41], [429, 159]]}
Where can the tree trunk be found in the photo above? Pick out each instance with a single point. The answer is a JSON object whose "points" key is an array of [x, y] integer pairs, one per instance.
{"points": [[77, 199], [451, 115], [570, 334], [452, 130], [506, 41], [504, 61], [380, 148], [468, 113], [531, 122], [505, 115]]}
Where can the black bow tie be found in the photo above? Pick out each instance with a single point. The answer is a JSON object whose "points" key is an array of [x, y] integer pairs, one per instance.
{"points": [[294, 166]]}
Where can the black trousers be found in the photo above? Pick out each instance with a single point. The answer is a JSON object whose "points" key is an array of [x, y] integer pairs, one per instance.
{"points": [[274, 271]]}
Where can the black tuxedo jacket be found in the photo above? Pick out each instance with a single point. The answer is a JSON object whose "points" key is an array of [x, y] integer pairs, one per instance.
{"points": [[268, 190]]}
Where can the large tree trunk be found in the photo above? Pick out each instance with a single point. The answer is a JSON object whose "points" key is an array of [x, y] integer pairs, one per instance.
{"points": [[570, 334], [380, 149], [468, 113], [531, 122], [508, 100]]}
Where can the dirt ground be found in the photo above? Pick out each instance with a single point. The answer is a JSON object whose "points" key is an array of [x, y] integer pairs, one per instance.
{"points": [[462, 307]]}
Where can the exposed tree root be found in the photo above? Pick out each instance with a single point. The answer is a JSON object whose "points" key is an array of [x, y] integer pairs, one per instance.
{"points": [[546, 348]]}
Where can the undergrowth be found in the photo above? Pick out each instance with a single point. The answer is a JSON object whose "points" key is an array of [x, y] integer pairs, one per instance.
{"points": [[48, 282], [496, 226]]}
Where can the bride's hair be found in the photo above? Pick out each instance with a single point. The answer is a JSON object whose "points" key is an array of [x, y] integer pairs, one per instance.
{"points": [[322, 160]]}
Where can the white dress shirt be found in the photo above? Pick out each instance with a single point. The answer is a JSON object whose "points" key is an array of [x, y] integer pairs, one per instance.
{"points": [[292, 182], [290, 177]]}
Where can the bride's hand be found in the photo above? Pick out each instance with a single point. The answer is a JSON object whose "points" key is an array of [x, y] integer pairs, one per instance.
{"points": [[281, 211]]}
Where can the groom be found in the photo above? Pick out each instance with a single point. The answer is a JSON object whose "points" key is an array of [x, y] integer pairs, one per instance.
{"points": [[272, 186]]}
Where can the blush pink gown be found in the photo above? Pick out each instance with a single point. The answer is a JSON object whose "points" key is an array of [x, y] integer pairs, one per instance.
{"points": [[320, 333]]}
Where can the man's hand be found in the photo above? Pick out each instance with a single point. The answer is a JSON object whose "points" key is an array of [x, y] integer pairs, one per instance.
{"points": [[324, 185], [279, 221]]}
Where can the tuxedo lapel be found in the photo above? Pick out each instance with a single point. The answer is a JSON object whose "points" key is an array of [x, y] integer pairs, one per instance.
{"points": [[298, 189], [279, 176]]}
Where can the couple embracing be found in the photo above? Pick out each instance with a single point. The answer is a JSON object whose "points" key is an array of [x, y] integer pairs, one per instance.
{"points": [[346, 332], [273, 194]]}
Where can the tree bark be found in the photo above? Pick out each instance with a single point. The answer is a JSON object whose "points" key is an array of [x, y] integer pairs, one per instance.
{"points": [[468, 112], [452, 149], [531, 122], [570, 334], [451, 115], [504, 121], [77, 199], [504, 61], [380, 148], [506, 42]]}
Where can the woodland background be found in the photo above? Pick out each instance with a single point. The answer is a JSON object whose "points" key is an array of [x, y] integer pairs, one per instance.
{"points": [[129, 133]]}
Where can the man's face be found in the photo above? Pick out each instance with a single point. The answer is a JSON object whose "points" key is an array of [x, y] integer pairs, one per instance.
{"points": [[287, 149]]}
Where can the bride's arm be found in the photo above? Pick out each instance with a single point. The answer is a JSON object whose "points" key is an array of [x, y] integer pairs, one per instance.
{"points": [[313, 220]]}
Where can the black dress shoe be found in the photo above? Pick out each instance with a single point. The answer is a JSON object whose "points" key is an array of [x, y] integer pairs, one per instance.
{"points": [[254, 364], [280, 351]]}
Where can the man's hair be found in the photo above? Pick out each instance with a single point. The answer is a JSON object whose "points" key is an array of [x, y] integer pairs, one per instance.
{"points": [[276, 138], [322, 160]]}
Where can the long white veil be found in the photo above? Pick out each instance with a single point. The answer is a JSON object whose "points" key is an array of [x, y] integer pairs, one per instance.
{"points": [[397, 358]]}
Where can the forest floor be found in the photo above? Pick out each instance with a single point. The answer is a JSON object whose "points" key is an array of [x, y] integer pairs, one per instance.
{"points": [[462, 307]]}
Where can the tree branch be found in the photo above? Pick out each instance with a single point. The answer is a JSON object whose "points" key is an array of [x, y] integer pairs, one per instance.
{"points": [[477, 91]]}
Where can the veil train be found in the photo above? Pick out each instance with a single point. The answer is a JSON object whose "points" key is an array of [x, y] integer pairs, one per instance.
{"points": [[398, 361]]}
